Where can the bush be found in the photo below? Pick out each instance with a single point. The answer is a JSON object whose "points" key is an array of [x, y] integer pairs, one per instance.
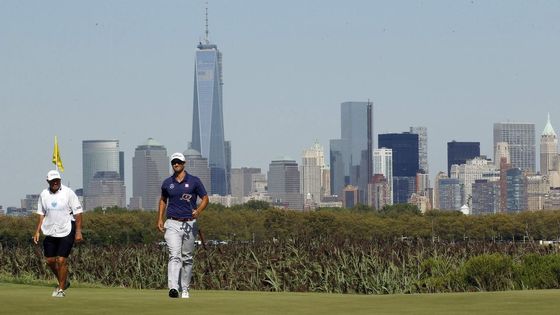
{"points": [[489, 272], [539, 272], [440, 274]]}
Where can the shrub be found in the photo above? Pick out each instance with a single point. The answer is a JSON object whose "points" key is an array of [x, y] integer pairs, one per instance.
{"points": [[539, 272], [489, 272]]}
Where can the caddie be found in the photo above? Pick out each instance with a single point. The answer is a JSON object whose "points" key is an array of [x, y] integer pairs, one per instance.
{"points": [[60, 220]]}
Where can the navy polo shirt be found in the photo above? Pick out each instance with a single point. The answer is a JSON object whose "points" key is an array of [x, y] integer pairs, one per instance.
{"points": [[181, 196]]}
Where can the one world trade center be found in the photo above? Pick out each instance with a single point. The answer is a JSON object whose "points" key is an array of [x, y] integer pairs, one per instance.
{"points": [[208, 118]]}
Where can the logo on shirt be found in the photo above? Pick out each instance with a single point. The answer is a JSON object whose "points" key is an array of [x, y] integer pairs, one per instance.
{"points": [[187, 185], [54, 203], [186, 197], [171, 186]]}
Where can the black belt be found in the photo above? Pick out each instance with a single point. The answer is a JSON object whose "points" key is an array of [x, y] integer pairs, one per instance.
{"points": [[181, 219]]}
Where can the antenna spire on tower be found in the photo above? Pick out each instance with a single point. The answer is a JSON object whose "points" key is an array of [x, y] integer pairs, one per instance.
{"points": [[207, 41]]}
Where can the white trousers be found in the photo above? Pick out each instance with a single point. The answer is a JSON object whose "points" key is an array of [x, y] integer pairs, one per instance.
{"points": [[180, 238]]}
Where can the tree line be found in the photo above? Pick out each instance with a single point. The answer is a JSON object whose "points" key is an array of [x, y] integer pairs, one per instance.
{"points": [[258, 221]]}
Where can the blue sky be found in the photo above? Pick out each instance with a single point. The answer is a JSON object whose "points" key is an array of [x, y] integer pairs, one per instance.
{"points": [[86, 70]]}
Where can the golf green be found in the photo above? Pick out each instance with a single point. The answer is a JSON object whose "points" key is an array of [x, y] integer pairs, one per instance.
{"points": [[26, 299]]}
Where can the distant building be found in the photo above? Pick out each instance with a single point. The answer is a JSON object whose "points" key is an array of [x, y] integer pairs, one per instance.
{"points": [[420, 201], [198, 166], [501, 154], [537, 188], [208, 118], [106, 190], [403, 188], [227, 147], [470, 171], [351, 155], [326, 182], [422, 183], [30, 202], [17, 212], [552, 199], [311, 171], [259, 183], [449, 194], [383, 165], [485, 197], [405, 162], [422, 133], [459, 152], [226, 201], [521, 142], [242, 181], [549, 149], [100, 156], [284, 184], [380, 192], [135, 203], [351, 196], [435, 197], [516, 190], [150, 166]]}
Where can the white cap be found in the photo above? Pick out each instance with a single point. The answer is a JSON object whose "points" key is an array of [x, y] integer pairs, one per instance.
{"points": [[54, 174], [177, 156]]}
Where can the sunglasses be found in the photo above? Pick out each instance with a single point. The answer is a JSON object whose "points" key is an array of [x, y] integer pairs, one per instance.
{"points": [[177, 162]]}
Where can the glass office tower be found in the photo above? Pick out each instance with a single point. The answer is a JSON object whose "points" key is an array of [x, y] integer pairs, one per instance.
{"points": [[150, 166], [520, 138], [99, 155], [459, 152], [406, 162], [208, 121], [352, 155]]}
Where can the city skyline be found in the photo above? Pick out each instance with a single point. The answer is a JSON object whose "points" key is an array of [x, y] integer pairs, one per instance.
{"points": [[87, 71]]}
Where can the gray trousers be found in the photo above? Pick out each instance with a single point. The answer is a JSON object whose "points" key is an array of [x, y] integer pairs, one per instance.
{"points": [[180, 238]]}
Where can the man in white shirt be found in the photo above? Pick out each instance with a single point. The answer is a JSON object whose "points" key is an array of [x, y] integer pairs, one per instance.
{"points": [[60, 220]]}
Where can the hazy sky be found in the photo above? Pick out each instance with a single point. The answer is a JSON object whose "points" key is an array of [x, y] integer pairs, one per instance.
{"points": [[86, 70]]}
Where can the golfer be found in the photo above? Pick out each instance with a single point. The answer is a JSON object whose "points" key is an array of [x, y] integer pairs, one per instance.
{"points": [[179, 195], [60, 220]]}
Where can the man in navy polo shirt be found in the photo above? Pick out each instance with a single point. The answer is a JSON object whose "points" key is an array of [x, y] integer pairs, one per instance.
{"points": [[179, 195]]}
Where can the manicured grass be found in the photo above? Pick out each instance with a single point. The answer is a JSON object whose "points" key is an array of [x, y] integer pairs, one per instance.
{"points": [[26, 299]]}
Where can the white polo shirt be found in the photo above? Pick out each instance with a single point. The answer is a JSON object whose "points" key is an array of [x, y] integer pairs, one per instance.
{"points": [[59, 209]]}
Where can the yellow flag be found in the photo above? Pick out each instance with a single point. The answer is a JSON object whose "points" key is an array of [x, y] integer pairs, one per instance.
{"points": [[56, 156]]}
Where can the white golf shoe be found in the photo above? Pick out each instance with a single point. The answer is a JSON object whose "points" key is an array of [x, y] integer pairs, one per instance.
{"points": [[59, 293]]}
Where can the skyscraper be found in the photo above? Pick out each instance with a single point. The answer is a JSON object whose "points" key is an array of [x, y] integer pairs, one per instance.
{"points": [[485, 197], [284, 183], [449, 194], [516, 190], [459, 152], [352, 155], [208, 119], [405, 162], [242, 181], [422, 133], [150, 166], [312, 165], [97, 156], [106, 189], [198, 166], [383, 164], [521, 141], [549, 149]]}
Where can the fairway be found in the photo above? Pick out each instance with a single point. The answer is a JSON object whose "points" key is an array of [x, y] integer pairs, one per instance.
{"points": [[25, 299]]}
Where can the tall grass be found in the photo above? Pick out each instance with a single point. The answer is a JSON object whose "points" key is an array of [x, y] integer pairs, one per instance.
{"points": [[311, 266]]}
